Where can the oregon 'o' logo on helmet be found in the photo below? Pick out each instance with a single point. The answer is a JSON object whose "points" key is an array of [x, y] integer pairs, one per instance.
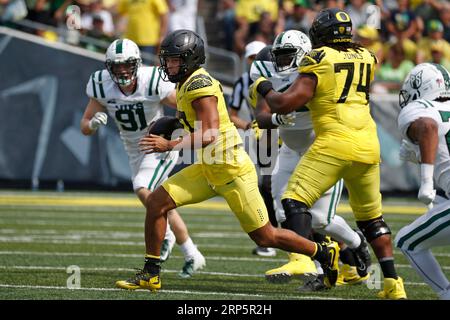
{"points": [[331, 26], [342, 16]]}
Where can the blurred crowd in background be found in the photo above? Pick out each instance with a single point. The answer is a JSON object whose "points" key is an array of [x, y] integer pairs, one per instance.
{"points": [[401, 33]]}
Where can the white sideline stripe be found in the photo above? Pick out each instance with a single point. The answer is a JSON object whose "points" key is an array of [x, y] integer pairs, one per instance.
{"points": [[173, 291], [227, 274], [131, 255]]}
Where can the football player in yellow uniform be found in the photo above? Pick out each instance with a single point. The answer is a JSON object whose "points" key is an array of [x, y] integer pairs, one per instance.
{"points": [[223, 168], [334, 80]]}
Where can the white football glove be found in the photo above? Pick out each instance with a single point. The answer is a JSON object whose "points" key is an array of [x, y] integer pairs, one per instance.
{"points": [[427, 193], [409, 152], [286, 120], [100, 118]]}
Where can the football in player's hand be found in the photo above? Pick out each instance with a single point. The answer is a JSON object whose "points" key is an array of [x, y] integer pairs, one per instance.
{"points": [[164, 127]]}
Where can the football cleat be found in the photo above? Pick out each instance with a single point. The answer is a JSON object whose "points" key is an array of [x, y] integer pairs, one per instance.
{"points": [[141, 280], [264, 252], [316, 284], [192, 265], [362, 256], [167, 246], [393, 289], [331, 265], [299, 266], [348, 275]]}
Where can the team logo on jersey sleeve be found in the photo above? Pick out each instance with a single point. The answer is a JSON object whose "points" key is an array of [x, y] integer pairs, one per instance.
{"points": [[315, 56]]}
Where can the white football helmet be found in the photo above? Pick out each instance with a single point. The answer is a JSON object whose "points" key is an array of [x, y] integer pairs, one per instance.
{"points": [[425, 81], [123, 59], [288, 50]]}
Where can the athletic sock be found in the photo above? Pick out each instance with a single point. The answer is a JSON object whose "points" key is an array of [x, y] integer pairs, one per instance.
{"points": [[341, 231], [152, 264], [347, 257], [388, 268], [189, 249]]}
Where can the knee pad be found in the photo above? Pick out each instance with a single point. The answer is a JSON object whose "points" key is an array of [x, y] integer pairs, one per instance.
{"points": [[374, 228], [298, 218], [292, 207]]}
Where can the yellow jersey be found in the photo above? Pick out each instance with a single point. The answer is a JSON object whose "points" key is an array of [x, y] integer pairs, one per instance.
{"points": [[340, 110], [223, 159], [143, 20]]}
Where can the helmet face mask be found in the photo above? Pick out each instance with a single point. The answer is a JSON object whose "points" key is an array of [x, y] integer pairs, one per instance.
{"points": [[185, 45], [403, 98], [166, 71], [427, 81], [123, 60], [288, 50], [123, 73]]}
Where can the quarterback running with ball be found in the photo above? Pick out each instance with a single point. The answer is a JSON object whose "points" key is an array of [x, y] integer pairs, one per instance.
{"points": [[133, 96]]}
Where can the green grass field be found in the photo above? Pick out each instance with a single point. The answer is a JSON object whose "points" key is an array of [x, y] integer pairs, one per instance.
{"points": [[43, 233]]}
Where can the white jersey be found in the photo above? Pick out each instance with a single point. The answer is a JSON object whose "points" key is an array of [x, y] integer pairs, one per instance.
{"points": [[300, 136], [439, 112], [133, 113]]}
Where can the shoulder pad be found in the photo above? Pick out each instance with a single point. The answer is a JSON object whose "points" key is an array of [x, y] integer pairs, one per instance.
{"points": [[315, 55], [198, 82]]}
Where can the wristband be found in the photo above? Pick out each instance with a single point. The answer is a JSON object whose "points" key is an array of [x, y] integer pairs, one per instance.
{"points": [[275, 119], [426, 172]]}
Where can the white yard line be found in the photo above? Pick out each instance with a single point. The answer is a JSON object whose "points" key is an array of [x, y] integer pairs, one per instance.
{"points": [[226, 294], [130, 255], [86, 269], [76, 237], [211, 273]]}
